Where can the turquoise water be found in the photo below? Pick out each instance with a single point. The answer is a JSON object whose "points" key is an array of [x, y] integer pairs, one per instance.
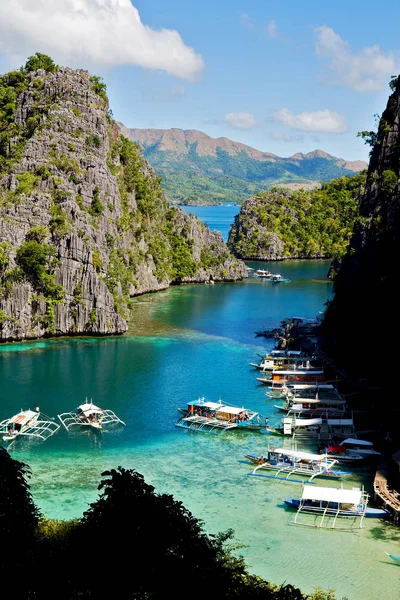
{"points": [[184, 343], [218, 218]]}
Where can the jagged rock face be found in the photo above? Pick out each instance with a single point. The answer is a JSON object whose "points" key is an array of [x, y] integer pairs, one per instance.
{"points": [[251, 237], [250, 240], [362, 320], [78, 191]]}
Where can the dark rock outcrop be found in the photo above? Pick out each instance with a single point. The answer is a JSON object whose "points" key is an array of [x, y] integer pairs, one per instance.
{"points": [[361, 328], [84, 224]]}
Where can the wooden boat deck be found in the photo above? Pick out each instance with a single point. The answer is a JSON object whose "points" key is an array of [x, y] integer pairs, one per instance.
{"points": [[389, 498]]}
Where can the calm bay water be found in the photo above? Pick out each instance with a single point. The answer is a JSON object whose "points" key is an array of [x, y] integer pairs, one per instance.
{"points": [[216, 217], [184, 343]]}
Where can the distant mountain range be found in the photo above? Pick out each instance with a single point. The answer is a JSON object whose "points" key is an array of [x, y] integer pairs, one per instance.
{"points": [[198, 169]]}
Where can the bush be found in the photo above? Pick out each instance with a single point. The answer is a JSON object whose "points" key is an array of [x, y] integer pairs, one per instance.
{"points": [[96, 207], [40, 61]]}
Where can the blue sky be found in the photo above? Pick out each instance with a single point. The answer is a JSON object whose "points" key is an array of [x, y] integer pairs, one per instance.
{"points": [[281, 76]]}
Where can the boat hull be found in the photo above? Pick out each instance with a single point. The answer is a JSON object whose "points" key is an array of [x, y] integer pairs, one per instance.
{"points": [[377, 513]]}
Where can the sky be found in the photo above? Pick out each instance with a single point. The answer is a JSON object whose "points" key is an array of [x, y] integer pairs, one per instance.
{"points": [[278, 75]]}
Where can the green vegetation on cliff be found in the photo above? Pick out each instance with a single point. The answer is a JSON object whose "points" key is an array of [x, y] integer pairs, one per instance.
{"points": [[84, 222], [279, 223]]}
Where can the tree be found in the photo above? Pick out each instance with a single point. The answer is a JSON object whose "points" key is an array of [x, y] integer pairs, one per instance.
{"points": [[131, 544], [40, 61], [19, 518]]}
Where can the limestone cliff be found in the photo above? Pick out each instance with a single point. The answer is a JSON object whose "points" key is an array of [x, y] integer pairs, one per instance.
{"points": [[361, 323], [280, 223], [84, 224]]}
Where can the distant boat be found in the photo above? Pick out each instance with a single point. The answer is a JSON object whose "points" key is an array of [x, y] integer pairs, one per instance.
{"points": [[262, 273], [276, 278], [393, 557]]}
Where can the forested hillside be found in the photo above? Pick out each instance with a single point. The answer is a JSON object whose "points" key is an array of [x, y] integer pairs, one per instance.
{"points": [[281, 224], [198, 169]]}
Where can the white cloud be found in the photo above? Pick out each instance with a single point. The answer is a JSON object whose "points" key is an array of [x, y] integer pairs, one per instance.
{"points": [[240, 120], [246, 21], [366, 71], [95, 32], [272, 30], [321, 120]]}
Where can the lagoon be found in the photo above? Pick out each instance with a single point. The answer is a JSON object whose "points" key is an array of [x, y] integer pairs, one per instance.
{"points": [[186, 342]]}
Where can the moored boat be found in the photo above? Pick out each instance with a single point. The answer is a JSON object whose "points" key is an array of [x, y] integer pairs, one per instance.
{"points": [[28, 423], [88, 415], [332, 504], [288, 463], [217, 417], [353, 447], [262, 273], [281, 359], [285, 376]]}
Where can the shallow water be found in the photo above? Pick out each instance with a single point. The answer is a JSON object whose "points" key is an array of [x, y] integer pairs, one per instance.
{"points": [[188, 342]]}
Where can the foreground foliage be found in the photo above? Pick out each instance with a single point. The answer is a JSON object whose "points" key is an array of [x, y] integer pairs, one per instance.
{"points": [[130, 543]]}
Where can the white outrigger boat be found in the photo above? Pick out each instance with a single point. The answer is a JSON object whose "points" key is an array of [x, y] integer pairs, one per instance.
{"points": [[217, 417], [89, 415], [331, 503], [262, 273], [28, 423], [284, 359], [287, 463]]}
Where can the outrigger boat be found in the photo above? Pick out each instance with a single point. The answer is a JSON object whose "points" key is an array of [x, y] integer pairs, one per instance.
{"points": [[287, 463], [333, 503], [280, 359], [262, 273], [321, 428], [280, 389], [89, 415], [217, 417], [285, 376], [276, 278], [29, 423], [393, 557], [328, 402]]}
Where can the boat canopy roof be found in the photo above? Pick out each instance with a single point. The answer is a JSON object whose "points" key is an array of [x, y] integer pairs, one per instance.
{"points": [[340, 421], [294, 353], [303, 422], [23, 416], [204, 404], [89, 407], [310, 386], [357, 442], [298, 371], [340, 495], [299, 399], [302, 455], [233, 410]]}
